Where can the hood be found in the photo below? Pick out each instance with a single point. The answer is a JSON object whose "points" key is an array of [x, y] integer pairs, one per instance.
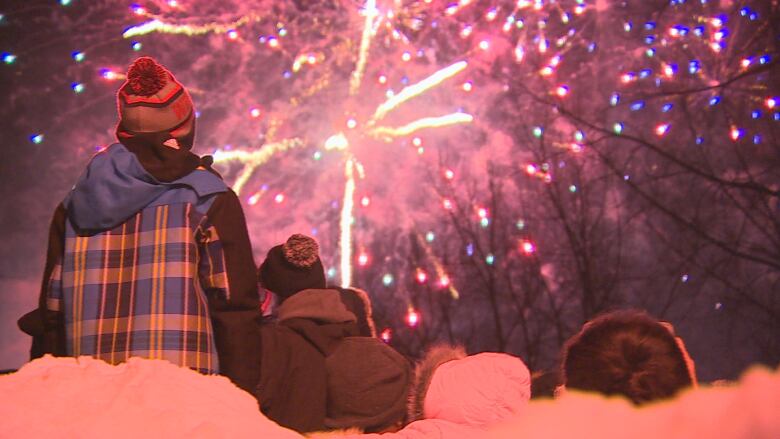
{"points": [[115, 186], [478, 391], [423, 374], [319, 316], [368, 382], [322, 305]]}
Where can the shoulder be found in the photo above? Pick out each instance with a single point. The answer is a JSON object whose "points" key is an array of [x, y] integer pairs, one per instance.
{"points": [[114, 156], [204, 182], [371, 344], [280, 338], [226, 201]]}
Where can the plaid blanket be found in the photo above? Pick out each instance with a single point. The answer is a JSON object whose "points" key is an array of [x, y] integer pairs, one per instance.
{"points": [[138, 289]]}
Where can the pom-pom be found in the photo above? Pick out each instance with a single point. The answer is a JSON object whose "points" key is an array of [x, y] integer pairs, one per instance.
{"points": [[145, 77], [301, 250]]}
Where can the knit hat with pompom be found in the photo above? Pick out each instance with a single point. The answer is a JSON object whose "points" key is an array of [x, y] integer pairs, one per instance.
{"points": [[293, 266], [151, 100]]}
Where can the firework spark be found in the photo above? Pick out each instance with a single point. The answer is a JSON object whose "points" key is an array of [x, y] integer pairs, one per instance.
{"points": [[160, 26], [388, 133], [417, 89], [254, 159], [369, 30], [345, 223], [339, 141], [444, 278]]}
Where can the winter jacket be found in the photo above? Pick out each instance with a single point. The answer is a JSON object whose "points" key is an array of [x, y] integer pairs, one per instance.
{"points": [[292, 389], [149, 256], [462, 397], [317, 373]]}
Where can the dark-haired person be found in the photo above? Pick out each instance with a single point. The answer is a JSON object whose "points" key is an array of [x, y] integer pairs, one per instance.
{"points": [[627, 353], [149, 253]]}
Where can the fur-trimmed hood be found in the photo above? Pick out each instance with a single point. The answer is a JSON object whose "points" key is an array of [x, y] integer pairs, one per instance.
{"points": [[475, 391], [423, 373]]}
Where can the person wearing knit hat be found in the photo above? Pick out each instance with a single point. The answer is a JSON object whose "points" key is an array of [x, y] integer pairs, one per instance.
{"points": [[157, 120], [152, 100], [317, 370], [168, 236], [293, 266]]}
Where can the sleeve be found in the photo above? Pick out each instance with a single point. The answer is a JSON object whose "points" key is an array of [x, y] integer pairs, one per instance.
{"points": [[46, 323], [292, 389], [228, 275], [228, 270]]}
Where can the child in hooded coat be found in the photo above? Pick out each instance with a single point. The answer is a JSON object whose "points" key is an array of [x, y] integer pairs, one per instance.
{"points": [[317, 369]]}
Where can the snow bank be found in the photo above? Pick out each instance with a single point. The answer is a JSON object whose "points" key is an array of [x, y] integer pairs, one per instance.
{"points": [[88, 398], [750, 409]]}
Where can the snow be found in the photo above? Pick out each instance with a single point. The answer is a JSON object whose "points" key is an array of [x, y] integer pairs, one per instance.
{"points": [[87, 398], [750, 409]]}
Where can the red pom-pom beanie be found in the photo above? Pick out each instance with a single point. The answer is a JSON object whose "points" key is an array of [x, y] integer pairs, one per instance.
{"points": [[151, 100]]}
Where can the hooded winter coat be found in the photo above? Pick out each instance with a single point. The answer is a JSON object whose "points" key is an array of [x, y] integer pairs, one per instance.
{"points": [[458, 397], [149, 256], [292, 389], [316, 372]]}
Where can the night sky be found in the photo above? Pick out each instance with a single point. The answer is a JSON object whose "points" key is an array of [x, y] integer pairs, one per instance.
{"points": [[493, 173]]}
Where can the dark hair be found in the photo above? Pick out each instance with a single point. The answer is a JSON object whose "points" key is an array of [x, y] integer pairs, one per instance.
{"points": [[625, 353], [543, 383]]}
